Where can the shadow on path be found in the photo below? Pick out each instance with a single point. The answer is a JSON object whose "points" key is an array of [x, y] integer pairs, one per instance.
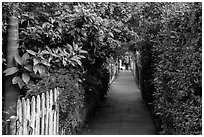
{"points": [[123, 113]]}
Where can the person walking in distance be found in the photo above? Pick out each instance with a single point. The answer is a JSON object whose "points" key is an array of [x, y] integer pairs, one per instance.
{"points": [[126, 62]]}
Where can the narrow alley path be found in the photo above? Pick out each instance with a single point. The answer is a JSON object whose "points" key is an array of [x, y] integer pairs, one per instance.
{"points": [[123, 113]]}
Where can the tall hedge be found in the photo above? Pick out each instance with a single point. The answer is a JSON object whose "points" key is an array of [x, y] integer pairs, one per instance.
{"points": [[171, 65], [171, 59], [177, 75]]}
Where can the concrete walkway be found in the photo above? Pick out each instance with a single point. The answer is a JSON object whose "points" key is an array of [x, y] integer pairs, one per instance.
{"points": [[123, 113]]}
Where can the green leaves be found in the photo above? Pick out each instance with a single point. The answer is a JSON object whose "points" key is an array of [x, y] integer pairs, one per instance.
{"points": [[25, 57], [11, 71], [111, 34], [24, 70], [35, 61], [21, 81], [39, 68], [77, 60], [15, 80], [173, 54], [26, 77], [31, 52], [18, 59]]}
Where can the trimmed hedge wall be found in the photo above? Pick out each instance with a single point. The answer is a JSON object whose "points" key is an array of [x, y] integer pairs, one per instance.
{"points": [[172, 73]]}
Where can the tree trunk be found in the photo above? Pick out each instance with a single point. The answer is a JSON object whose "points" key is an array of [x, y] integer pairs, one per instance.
{"points": [[11, 92]]}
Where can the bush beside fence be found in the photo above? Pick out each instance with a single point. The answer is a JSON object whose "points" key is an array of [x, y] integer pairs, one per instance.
{"points": [[46, 112]]}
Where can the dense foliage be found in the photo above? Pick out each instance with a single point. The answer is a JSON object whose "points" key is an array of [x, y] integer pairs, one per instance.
{"points": [[71, 37], [80, 38], [178, 79], [71, 97], [171, 64]]}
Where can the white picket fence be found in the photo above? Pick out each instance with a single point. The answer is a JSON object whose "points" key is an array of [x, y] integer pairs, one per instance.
{"points": [[38, 116]]}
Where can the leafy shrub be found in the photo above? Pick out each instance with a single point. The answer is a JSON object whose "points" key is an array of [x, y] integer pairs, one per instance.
{"points": [[178, 74], [147, 87], [176, 67], [171, 65], [97, 84]]}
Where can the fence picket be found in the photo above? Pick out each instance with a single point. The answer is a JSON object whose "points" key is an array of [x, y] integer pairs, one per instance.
{"points": [[28, 114], [19, 115], [33, 115], [40, 115], [47, 114], [24, 119], [43, 114], [51, 114], [55, 112]]}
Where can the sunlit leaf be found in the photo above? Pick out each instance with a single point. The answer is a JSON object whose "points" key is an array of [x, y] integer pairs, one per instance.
{"points": [[28, 67], [18, 59], [10, 71], [25, 57], [20, 83], [15, 80], [31, 52], [45, 62], [26, 77], [36, 61]]}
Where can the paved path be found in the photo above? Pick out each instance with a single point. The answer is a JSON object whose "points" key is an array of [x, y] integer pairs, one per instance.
{"points": [[123, 113]]}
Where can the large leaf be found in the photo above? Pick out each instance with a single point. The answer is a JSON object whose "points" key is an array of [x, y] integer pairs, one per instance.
{"points": [[36, 61], [28, 67], [20, 83], [26, 77], [18, 59], [11, 71], [31, 52], [15, 80], [25, 57]]}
